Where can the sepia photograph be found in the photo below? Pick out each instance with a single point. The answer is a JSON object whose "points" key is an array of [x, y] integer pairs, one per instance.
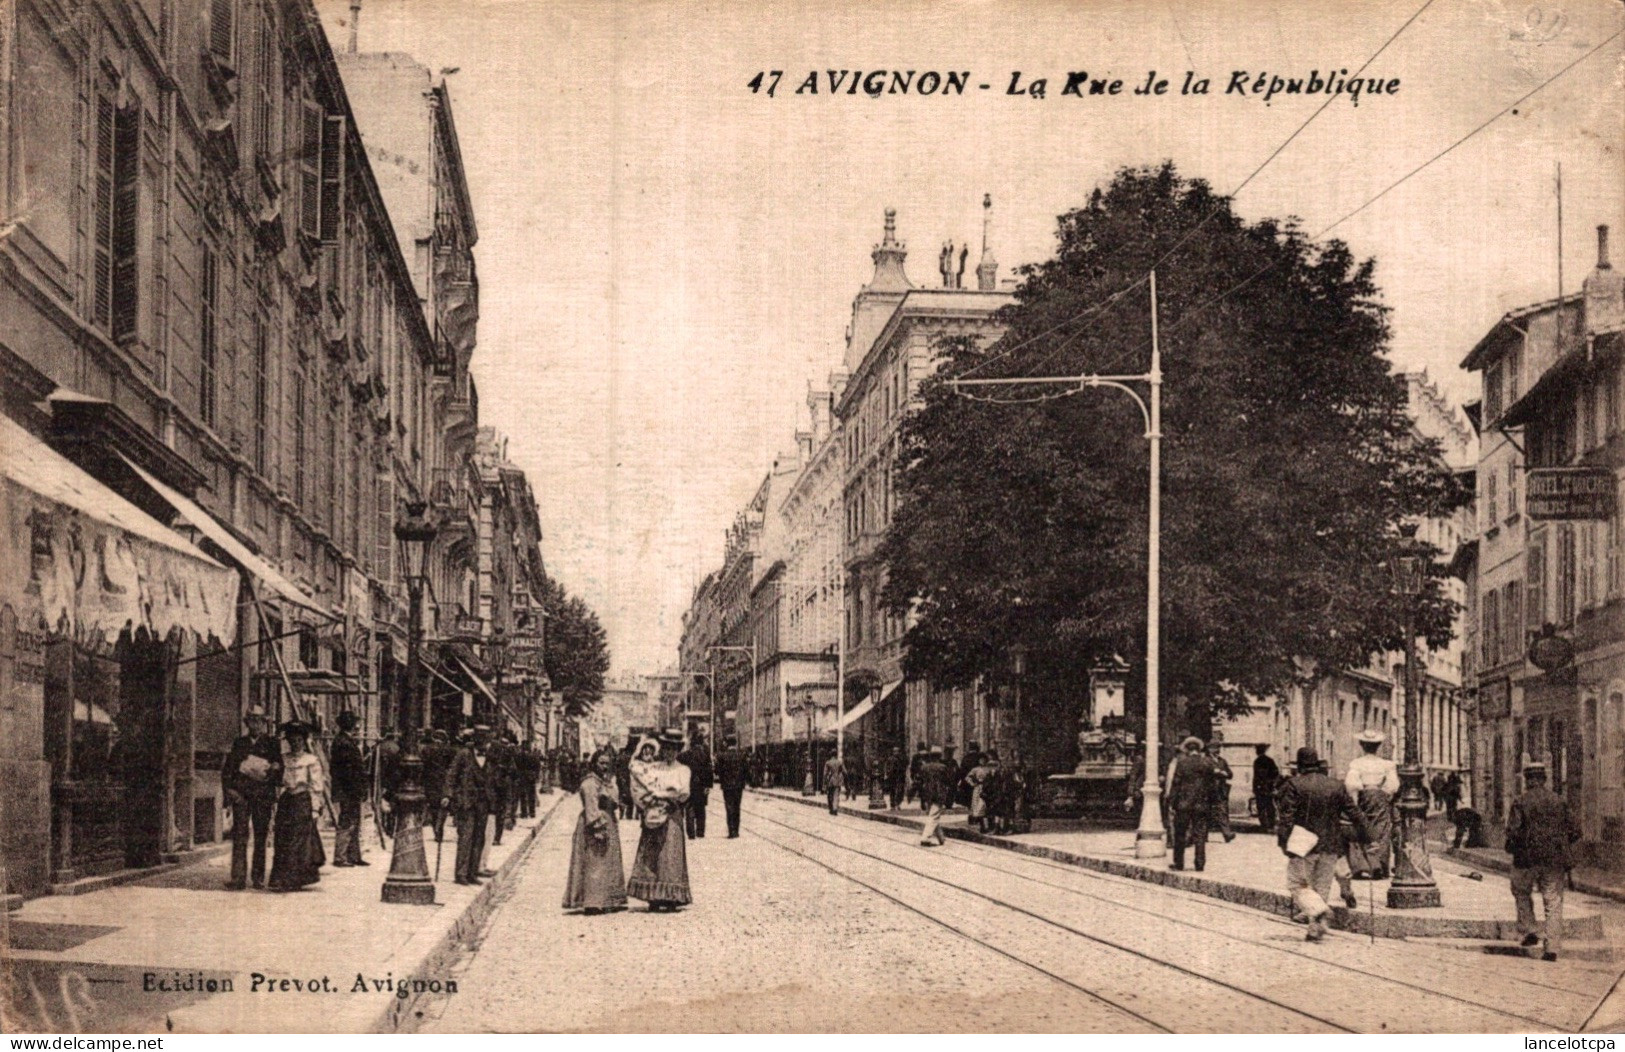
{"points": [[928, 517]]}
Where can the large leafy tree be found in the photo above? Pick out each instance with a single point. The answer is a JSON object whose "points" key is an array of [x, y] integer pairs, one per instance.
{"points": [[1290, 464], [575, 649]]}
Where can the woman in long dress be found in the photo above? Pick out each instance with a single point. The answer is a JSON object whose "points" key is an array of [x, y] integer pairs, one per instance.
{"points": [[660, 868], [597, 881], [299, 854]]}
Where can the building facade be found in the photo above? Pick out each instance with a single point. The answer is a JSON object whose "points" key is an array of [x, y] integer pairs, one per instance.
{"points": [[242, 317], [199, 259], [892, 346], [1551, 588]]}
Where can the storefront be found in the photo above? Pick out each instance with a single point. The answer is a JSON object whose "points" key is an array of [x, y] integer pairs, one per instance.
{"points": [[102, 608]]}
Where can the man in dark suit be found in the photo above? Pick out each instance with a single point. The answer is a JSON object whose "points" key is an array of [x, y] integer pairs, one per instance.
{"points": [[1190, 800], [1313, 809], [1266, 779], [530, 772], [471, 794], [499, 756], [697, 758], [1540, 835], [437, 756], [348, 770], [386, 765], [733, 774], [251, 775]]}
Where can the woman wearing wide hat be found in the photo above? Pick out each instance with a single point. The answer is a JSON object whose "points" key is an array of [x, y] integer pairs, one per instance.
{"points": [[299, 856], [660, 869]]}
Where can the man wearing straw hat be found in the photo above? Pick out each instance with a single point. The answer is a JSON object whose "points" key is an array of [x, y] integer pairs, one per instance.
{"points": [[1190, 800]]}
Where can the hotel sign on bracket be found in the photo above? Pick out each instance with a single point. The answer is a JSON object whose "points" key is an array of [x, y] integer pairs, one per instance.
{"points": [[1571, 494]]}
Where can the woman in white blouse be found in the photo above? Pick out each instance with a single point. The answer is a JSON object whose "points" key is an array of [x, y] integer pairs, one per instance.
{"points": [[298, 846]]}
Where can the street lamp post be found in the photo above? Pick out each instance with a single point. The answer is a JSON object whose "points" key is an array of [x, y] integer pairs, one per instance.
{"points": [[409, 881], [1150, 840], [751, 650], [1413, 886]]}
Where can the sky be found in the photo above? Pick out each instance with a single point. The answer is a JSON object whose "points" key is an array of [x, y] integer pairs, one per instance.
{"points": [[667, 259]]}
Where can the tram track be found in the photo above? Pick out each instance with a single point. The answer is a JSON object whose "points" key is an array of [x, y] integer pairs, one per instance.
{"points": [[1131, 885], [1187, 975], [1515, 1020]]}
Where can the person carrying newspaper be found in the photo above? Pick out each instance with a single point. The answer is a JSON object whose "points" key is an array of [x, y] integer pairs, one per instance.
{"points": [[1312, 806]]}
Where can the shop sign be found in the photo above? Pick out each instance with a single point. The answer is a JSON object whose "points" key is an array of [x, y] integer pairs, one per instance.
{"points": [[1549, 651], [1571, 494]]}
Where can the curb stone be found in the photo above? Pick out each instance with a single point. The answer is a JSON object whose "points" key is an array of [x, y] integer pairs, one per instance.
{"points": [[401, 1013]]}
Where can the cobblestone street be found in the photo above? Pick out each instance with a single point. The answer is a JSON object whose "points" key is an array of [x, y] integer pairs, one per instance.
{"points": [[810, 923]]}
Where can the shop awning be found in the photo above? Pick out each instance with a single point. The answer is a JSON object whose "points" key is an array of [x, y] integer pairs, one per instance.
{"points": [[216, 532], [79, 555], [480, 683], [861, 709]]}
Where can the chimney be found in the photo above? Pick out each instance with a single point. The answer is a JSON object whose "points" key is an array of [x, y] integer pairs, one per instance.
{"points": [[1603, 292]]}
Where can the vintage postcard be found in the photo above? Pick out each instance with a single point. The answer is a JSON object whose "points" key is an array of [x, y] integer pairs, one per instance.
{"points": [[963, 516]]}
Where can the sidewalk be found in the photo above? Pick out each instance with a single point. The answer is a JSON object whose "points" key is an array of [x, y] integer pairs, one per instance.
{"points": [[178, 951], [1250, 871]]}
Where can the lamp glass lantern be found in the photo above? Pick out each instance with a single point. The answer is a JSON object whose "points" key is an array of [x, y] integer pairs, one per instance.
{"points": [[416, 533]]}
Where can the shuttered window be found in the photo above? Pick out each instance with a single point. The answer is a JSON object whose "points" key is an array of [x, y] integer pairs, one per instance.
{"points": [[300, 448], [221, 29], [265, 88], [310, 166], [332, 174], [262, 401], [209, 338], [117, 211]]}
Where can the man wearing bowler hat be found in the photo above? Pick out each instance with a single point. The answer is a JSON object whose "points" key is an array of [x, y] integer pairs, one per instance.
{"points": [[251, 775], [1540, 832], [1313, 807], [349, 775], [471, 795]]}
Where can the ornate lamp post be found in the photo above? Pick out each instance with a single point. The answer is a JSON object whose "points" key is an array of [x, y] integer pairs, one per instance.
{"points": [[1413, 886], [409, 880]]}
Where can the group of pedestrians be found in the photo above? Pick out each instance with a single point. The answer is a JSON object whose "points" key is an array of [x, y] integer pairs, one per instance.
{"points": [[276, 790], [1334, 831]]}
